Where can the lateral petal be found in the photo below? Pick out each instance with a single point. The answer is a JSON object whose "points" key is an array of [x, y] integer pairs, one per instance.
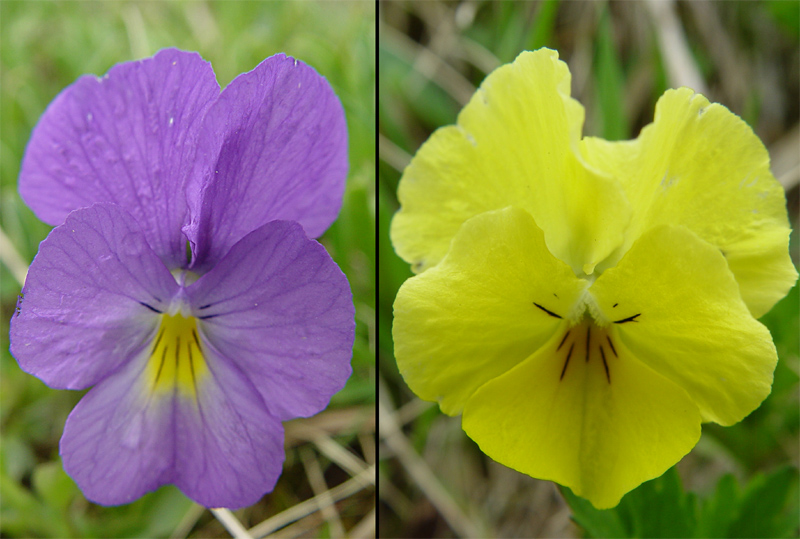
{"points": [[515, 143], [700, 166], [280, 308], [90, 300], [692, 326], [280, 135], [601, 438], [130, 138], [474, 316]]}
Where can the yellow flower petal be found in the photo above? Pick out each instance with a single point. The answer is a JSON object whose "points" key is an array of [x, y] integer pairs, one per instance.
{"points": [[692, 327], [473, 317], [701, 166], [516, 143], [601, 436]]}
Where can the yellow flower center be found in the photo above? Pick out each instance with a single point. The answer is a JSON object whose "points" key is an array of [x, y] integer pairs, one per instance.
{"points": [[176, 362], [589, 337]]}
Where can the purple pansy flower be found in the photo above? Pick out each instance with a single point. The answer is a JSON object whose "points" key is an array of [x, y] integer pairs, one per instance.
{"points": [[182, 284]]}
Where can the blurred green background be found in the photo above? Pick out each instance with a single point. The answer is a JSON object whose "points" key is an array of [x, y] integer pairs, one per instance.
{"points": [[45, 46], [434, 481]]}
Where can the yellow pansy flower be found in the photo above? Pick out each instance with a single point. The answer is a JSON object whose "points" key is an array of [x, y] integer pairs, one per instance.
{"points": [[587, 304]]}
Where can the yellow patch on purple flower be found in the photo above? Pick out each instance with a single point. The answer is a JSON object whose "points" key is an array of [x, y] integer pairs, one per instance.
{"points": [[176, 361]]}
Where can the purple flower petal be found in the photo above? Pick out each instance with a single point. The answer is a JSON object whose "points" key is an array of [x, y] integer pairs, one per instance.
{"points": [[89, 300], [229, 446], [129, 137], [280, 309], [118, 444], [281, 136], [223, 449]]}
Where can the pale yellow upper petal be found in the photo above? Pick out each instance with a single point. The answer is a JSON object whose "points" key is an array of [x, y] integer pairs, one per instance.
{"points": [[700, 166], [516, 143]]}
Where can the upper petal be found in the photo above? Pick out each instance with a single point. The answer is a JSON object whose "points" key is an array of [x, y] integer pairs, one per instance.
{"points": [[482, 310], [90, 299], [692, 326], [700, 166], [516, 143], [280, 309], [280, 135], [130, 138]]}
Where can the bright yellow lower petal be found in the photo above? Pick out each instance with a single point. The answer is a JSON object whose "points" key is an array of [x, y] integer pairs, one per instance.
{"points": [[601, 426], [516, 143], [701, 166], [692, 326], [474, 316]]}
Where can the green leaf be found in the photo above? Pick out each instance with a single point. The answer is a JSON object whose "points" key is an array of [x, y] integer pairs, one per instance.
{"points": [[596, 522], [660, 508], [610, 83], [155, 514], [762, 510], [24, 515], [544, 23], [719, 510], [54, 486], [657, 508]]}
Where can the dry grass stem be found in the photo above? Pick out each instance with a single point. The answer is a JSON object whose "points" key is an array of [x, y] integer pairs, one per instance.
{"points": [[188, 522], [321, 492], [366, 528], [420, 472], [305, 527], [307, 507], [11, 258], [681, 68], [331, 422], [392, 154], [341, 456], [231, 523], [785, 158], [412, 410], [429, 66]]}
